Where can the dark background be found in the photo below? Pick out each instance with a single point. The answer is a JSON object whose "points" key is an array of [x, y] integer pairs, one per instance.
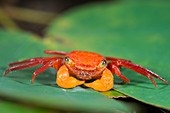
{"points": [[54, 8]]}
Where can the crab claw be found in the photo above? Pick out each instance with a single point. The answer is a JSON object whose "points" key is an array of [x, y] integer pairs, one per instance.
{"points": [[64, 80], [105, 83]]}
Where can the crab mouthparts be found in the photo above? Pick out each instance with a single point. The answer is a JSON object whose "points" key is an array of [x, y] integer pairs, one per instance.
{"points": [[84, 74], [87, 75]]}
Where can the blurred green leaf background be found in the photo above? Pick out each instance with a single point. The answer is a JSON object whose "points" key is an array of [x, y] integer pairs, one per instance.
{"points": [[129, 29]]}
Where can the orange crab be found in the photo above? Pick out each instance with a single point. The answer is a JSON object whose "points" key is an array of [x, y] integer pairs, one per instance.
{"points": [[83, 68]]}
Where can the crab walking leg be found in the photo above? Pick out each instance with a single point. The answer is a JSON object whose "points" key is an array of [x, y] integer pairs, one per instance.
{"points": [[19, 67], [21, 62], [119, 74], [24, 62], [55, 52], [33, 62], [40, 70], [143, 71], [56, 63], [64, 80], [105, 83], [139, 69]]}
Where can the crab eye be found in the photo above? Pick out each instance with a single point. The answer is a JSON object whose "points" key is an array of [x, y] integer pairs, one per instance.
{"points": [[103, 63], [67, 60]]}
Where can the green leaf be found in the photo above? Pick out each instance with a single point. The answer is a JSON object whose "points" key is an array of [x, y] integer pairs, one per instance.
{"points": [[6, 107], [114, 94], [138, 31], [44, 92], [16, 46]]}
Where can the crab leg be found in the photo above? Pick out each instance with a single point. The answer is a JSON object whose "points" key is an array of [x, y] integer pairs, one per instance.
{"points": [[105, 83], [40, 60], [119, 74], [23, 64], [137, 68], [143, 71], [19, 67], [64, 80], [55, 62], [55, 52], [40, 70]]}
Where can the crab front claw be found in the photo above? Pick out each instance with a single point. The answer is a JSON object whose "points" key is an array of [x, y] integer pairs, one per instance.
{"points": [[105, 83], [64, 80]]}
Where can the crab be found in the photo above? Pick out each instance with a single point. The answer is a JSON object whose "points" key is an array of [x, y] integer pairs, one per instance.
{"points": [[85, 68]]}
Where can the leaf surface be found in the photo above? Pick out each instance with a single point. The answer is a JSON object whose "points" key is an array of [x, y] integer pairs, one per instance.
{"points": [[44, 91], [133, 30]]}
